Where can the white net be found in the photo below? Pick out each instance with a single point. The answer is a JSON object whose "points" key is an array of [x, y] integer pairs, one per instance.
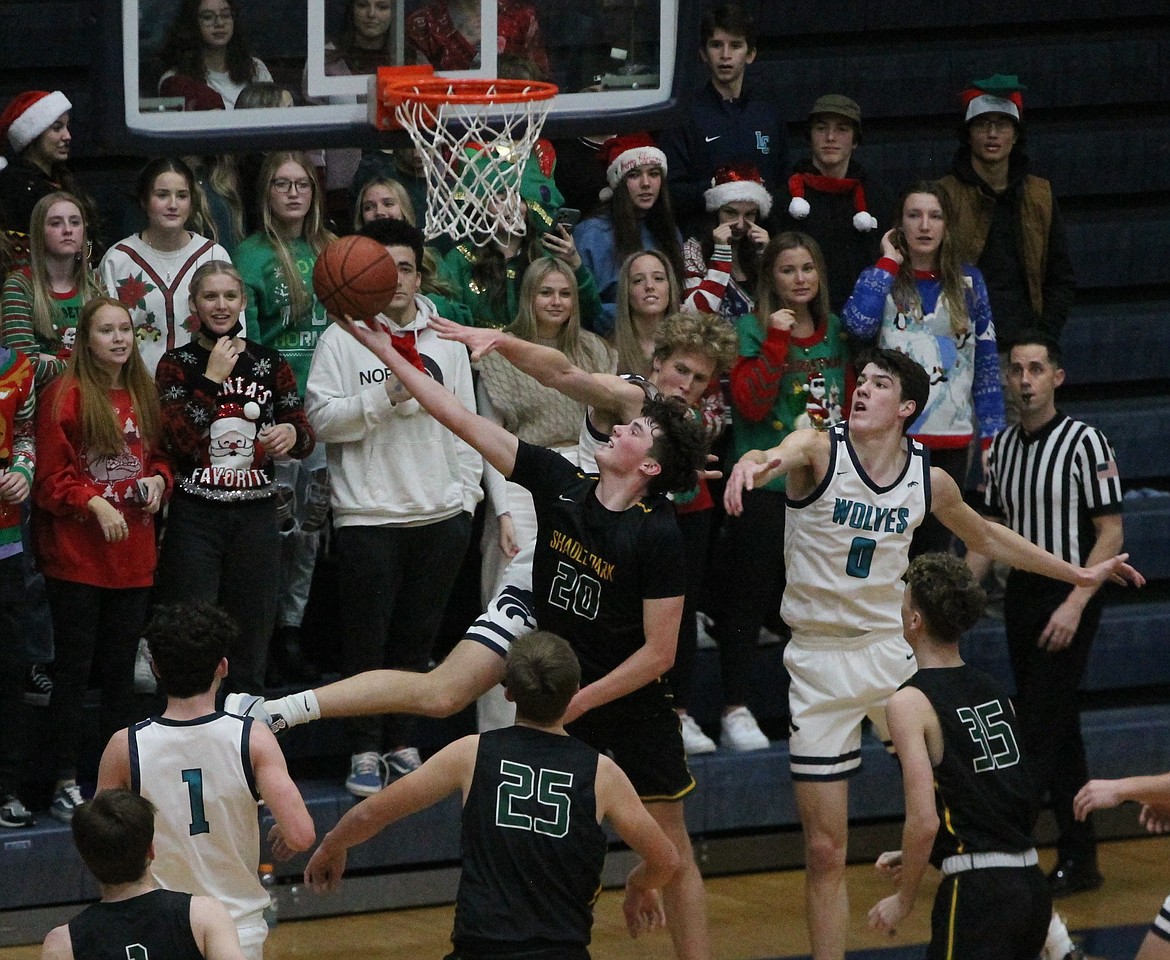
{"points": [[473, 154]]}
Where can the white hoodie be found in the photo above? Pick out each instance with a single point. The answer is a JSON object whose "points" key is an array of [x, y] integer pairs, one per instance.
{"points": [[391, 465]]}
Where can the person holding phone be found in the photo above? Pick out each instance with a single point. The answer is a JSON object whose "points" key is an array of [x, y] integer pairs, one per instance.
{"points": [[487, 279], [921, 300], [723, 266]]}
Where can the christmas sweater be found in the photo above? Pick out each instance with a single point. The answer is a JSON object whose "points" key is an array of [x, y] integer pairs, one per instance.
{"points": [[20, 334], [963, 369], [17, 449], [209, 428], [431, 34], [456, 269], [782, 383], [153, 286], [709, 286], [268, 316], [67, 536]]}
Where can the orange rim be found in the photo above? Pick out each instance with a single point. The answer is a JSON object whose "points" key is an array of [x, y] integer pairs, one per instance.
{"points": [[439, 91]]}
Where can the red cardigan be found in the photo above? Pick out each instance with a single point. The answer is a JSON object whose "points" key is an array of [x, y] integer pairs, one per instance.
{"points": [[68, 539]]}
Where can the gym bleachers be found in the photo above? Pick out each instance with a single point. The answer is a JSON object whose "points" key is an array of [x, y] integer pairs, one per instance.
{"points": [[1098, 127]]}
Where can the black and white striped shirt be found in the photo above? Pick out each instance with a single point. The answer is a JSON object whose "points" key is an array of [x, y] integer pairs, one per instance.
{"points": [[1048, 486]]}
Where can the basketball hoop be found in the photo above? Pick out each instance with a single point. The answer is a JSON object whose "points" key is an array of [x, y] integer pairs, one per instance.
{"points": [[474, 137]]}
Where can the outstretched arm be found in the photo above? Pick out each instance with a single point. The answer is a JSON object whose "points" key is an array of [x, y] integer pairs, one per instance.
{"points": [[490, 439], [550, 368], [447, 771], [1103, 794], [756, 468], [996, 540]]}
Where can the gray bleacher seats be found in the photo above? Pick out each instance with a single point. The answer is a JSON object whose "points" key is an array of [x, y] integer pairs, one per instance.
{"points": [[1138, 428], [1117, 342]]}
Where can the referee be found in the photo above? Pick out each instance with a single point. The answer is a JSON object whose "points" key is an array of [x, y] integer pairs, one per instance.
{"points": [[1053, 480]]}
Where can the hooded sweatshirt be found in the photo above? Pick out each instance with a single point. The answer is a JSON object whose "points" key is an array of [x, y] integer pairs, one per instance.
{"points": [[391, 464]]}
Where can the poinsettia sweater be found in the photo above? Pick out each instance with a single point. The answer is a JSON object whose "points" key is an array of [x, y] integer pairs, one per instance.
{"points": [[153, 286]]}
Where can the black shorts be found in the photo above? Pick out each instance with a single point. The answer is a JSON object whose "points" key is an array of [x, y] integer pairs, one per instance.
{"points": [[642, 733], [998, 913]]}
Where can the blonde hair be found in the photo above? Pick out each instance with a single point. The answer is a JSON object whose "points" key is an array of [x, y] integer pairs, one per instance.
{"points": [[524, 326], [41, 286], [954, 282], [313, 229], [706, 334], [210, 269], [100, 429], [625, 336], [399, 193], [768, 299]]}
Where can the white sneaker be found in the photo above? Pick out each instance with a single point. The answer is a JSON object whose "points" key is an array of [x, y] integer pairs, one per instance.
{"points": [[704, 639], [144, 678], [741, 732], [694, 740]]}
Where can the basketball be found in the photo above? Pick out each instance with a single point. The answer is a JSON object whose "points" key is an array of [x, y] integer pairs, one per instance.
{"points": [[355, 277]]}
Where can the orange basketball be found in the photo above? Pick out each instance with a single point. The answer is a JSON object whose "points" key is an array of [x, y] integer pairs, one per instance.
{"points": [[355, 276]]}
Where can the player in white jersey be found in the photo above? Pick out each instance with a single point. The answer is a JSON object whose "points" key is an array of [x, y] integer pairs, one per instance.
{"points": [[847, 549], [205, 771]]}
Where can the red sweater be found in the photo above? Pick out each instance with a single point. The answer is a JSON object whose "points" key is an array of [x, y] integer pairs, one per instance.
{"points": [[68, 538]]}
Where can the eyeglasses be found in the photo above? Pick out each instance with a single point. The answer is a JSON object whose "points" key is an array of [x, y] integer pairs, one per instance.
{"points": [[285, 185], [210, 18], [986, 125]]}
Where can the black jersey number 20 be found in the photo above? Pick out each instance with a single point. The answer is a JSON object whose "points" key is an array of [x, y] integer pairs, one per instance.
{"points": [[575, 591]]}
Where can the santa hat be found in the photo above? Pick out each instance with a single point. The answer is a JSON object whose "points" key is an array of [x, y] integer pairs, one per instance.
{"points": [[738, 181], [234, 418], [620, 155], [30, 114], [1000, 93]]}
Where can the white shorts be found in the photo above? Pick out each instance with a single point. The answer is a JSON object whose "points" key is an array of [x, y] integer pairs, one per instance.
{"points": [[833, 689], [252, 937], [1161, 925], [509, 615]]}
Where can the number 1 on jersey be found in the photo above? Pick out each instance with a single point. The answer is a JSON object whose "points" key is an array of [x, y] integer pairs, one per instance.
{"points": [[194, 780]]}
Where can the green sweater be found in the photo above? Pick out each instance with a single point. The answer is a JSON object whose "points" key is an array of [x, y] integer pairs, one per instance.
{"points": [[456, 269], [268, 316], [782, 383]]}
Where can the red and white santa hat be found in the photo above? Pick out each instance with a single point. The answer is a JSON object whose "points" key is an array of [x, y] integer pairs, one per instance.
{"points": [[30, 114], [235, 418], [623, 154], [738, 181]]}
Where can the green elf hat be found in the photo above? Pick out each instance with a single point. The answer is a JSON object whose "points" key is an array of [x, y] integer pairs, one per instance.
{"points": [[1000, 93], [538, 188]]}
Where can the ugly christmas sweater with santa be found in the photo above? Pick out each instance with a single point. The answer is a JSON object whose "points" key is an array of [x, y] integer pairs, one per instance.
{"points": [[210, 429]]}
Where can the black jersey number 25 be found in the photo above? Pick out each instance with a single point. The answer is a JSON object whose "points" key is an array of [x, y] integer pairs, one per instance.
{"points": [[518, 781]]}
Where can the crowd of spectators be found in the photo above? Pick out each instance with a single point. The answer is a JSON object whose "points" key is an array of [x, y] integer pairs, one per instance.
{"points": [[190, 391]]}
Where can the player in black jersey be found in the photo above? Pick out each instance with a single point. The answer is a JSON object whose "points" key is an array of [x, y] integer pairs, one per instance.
{"points": [[533, 846], [970, 799], [114, 834], [609, 576]]}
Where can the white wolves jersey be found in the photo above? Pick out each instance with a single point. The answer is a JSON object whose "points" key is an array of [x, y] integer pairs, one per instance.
{"points": [[847, 547], [198, 774]]}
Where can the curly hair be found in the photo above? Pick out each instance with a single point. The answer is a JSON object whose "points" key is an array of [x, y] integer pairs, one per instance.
{"points": [[186, 642], [542, 674], [943, 589], [679, 447], [706, 334]]}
